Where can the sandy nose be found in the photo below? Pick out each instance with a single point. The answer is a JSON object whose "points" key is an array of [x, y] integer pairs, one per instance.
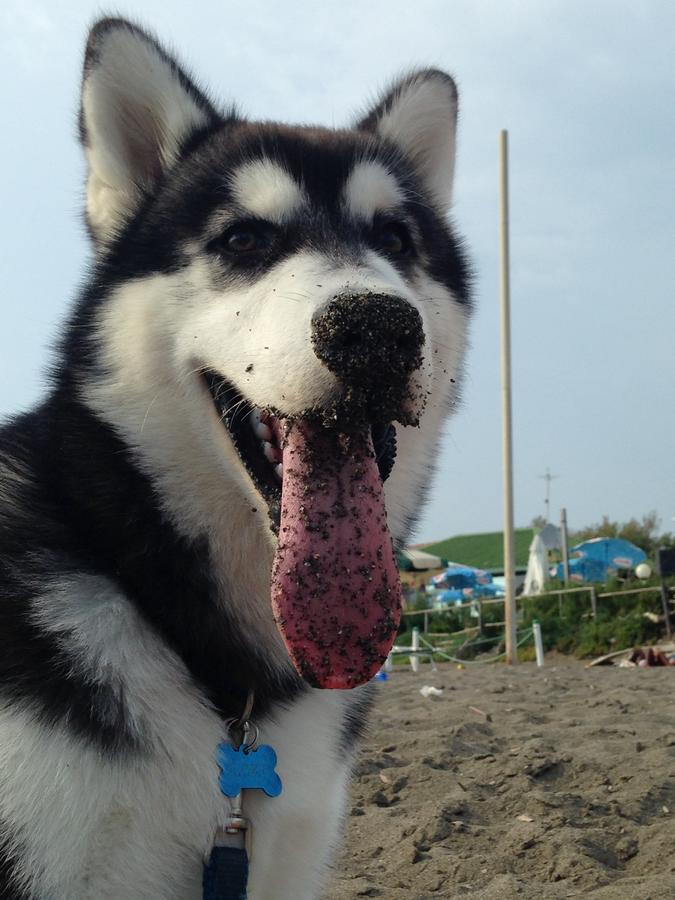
{"points": [[369, 336]]}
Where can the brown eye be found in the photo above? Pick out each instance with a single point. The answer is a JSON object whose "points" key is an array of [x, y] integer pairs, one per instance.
{"points": [[393, 239], [246, 239], [242, 240]]}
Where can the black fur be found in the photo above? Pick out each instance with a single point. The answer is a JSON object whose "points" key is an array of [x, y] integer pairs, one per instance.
{"points": [[99, 515], [321, 160]]}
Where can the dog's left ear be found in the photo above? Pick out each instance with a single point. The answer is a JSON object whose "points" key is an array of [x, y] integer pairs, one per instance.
{"points": [[138, 109], [419, 115]]}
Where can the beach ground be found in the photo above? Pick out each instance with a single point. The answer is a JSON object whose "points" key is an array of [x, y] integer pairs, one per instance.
{"points": [[526, 783]]}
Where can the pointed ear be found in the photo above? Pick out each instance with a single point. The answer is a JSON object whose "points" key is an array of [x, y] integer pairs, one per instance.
{"points": [[138, 108], [419, 115]]}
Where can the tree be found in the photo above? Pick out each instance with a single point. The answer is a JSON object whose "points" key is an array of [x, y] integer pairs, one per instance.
{"points": [[644, 533]]}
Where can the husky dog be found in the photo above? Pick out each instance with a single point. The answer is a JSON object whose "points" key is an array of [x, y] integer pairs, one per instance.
{"points": [[193, 521]]}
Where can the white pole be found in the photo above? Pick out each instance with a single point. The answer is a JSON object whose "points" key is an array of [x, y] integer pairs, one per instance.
{"points": [[538, 645], [507, 442], [414, 659]]}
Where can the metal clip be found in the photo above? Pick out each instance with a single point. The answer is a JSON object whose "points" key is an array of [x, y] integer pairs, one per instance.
{"points": [[237, 824]]}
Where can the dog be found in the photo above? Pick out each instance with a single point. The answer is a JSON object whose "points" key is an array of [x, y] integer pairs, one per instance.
{"points": [[198, 523]]}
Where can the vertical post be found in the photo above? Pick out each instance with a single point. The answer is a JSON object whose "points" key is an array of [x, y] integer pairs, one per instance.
{"points": [[426, 621], [664, 604], [564, 549], [415, 646], [594, 601], [538, 644], [507, 442]]}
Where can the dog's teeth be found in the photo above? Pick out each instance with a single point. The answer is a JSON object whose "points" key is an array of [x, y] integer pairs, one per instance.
{"points": [[279, 471], [269, 451], [262, 431]]}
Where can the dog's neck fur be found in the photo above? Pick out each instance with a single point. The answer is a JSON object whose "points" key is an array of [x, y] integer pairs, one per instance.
{"points": [[173, 581]]}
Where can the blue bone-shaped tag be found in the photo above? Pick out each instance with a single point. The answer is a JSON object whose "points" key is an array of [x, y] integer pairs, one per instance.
{"points": [[247, 769]]}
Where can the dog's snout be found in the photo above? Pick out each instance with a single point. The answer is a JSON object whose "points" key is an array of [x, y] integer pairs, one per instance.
{"points": [[368, 335]]}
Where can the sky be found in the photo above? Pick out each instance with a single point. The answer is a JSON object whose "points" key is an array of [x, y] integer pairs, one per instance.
{"points": [[587, 93]]}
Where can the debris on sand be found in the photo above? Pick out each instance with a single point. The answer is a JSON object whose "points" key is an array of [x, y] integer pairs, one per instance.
{"points": [[637, 657]]}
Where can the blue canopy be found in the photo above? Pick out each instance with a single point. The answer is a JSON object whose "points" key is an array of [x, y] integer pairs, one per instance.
{"points": [[601, 558], [459, 576], [459, 583]]}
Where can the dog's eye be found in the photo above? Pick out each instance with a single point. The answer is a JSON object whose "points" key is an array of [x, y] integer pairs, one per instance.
{"points": [[393, 238], [245, 239]]}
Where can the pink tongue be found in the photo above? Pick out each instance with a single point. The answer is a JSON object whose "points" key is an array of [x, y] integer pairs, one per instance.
{"points": [[336, 593]]}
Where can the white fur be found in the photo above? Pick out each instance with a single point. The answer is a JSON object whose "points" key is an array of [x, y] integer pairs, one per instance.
{"points": [[370, 189], [264, 189], [93, 828], [158, 333], [422, 120], [136, 113], [446, 327]]}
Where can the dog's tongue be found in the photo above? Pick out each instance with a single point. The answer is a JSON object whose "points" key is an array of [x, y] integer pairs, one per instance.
{"points": [[336, 593]]}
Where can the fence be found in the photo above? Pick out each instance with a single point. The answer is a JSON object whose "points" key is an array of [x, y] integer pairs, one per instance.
{"points": [[420, 648], [480, 603], [480, 632]]}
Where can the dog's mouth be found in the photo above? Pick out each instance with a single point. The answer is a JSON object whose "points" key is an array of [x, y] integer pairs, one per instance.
{"points": [[335, 589], [257, 435]]}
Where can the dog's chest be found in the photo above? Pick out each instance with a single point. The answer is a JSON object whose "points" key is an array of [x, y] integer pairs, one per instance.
{"points": [[168, 812], [138, 823]]}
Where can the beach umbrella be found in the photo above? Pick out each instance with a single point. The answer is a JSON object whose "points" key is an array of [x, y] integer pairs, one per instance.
{"points": [[600, 558], [537, 567], [455, 575], [614, 552]]}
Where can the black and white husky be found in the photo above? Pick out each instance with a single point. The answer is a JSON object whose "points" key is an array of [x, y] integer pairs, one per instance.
{"points": [[273, 328]]}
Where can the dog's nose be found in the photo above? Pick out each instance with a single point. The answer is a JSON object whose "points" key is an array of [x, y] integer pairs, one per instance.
{"points": [[367, 336]]}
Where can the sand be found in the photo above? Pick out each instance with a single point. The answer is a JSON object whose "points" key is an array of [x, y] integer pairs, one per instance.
{"points": [[515, 783]]}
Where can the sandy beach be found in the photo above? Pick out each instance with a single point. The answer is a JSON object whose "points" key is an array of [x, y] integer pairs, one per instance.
{"points": [[515, 783]]}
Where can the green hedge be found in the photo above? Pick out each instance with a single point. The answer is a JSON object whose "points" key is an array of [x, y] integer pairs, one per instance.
{"points": [[566, 621], [567, 624]]}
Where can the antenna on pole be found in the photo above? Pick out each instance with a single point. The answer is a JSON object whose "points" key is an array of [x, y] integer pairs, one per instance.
{"points": [[548, 478], [507, 443]]}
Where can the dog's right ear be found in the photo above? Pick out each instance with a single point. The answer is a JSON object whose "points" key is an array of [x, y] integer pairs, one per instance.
{"points": [[138, 109]]}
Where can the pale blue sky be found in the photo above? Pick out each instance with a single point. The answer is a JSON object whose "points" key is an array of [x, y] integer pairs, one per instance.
{"points": [[587, 90]]}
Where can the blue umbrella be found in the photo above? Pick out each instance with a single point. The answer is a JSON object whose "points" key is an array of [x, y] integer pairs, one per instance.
{"points": [[458, 583], [600, 558]]}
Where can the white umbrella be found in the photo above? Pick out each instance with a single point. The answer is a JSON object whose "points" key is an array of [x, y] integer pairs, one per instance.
{"points": [[537, 567]]}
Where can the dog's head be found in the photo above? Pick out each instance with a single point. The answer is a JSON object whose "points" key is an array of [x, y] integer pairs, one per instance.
{"points": [[279, 319]]}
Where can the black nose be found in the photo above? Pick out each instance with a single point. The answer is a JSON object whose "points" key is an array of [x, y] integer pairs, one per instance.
{"points": [[363, 338]]}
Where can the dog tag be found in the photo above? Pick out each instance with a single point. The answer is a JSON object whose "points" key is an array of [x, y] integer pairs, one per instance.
{"points": [[247, 768]]}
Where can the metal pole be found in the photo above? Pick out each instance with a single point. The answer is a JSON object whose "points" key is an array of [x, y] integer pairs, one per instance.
{"points": [[507, 442], [563, 541]]}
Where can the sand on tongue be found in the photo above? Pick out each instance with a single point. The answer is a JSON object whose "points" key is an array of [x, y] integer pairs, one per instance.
{"points": [[336, 592]]}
